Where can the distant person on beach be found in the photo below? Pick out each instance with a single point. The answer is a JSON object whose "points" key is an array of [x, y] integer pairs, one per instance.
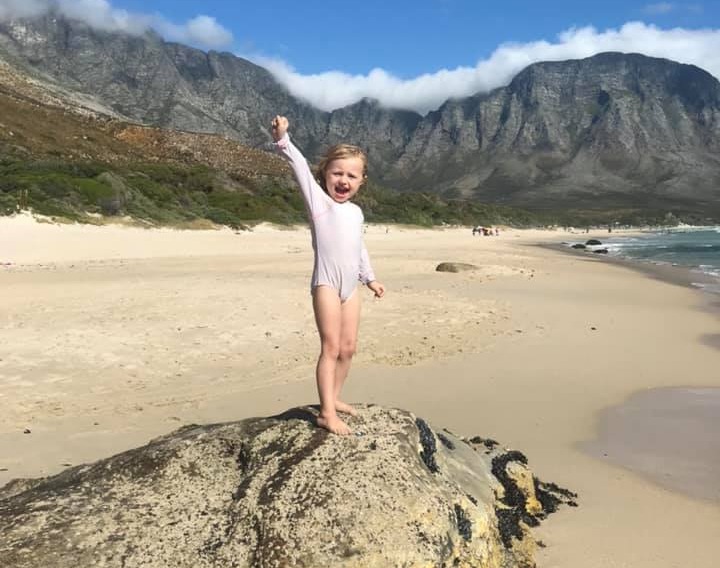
{"points": [[341, 260]]}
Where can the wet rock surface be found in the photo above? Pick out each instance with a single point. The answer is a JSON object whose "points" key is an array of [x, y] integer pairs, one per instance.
{"points": [[277, 492]]}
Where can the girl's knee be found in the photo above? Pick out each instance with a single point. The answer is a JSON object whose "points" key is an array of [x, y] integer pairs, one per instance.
{"points": [[330, 350], [347, 350]]}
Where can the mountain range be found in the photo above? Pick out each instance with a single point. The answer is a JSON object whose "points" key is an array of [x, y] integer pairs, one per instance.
{"points": [[612, 131]]}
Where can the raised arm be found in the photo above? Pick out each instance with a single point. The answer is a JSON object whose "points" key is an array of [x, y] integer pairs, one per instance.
{"points": [[315, 198]]}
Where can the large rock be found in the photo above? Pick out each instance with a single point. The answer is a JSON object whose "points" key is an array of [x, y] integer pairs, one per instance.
{"points": [[279, 492]]}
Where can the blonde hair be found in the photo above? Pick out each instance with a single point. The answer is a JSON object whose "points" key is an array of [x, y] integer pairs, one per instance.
{"points": [[340, 152]]}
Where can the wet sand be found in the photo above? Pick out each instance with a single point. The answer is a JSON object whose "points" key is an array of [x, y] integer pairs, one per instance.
{"points": [[670, 435]]}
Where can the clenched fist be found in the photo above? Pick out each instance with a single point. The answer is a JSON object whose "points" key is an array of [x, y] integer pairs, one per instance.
{"points": [[278, 127]]}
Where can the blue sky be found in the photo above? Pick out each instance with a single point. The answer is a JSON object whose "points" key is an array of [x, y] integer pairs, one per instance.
{"points": [[410, 38], [408, 54]]}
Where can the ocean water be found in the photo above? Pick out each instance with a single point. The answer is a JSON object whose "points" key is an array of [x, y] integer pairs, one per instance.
{"points": [[694, 248]]}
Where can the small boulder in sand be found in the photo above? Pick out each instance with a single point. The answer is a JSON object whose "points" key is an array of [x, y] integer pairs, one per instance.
{"points": [[455, 267]]}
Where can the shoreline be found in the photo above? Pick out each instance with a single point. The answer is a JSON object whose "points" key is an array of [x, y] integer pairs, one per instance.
{"points": [[677, 275], [528, 349], [683, 276]]}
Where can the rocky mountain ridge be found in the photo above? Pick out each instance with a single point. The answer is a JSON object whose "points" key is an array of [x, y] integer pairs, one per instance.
{"points": [[613, 131], [44, 120]]}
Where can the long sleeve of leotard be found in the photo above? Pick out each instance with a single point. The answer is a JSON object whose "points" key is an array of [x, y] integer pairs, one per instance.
{"points": [[315, 198], [367, 274]]}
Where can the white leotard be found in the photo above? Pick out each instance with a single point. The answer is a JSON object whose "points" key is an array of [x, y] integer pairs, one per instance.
{"points": [[341, 258]]}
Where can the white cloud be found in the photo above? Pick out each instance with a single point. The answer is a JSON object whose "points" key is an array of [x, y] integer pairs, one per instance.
{"points": [[203, 31], [101, 15], [21, 8], [206, 30], [335, 89], [659, 8]]}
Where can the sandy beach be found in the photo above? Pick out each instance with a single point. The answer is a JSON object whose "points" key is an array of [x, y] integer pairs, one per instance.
{"points": [[110, 336]]}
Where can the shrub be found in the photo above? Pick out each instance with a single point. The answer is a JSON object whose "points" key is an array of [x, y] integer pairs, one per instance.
{"points": [[222, 217], [94, 192]]}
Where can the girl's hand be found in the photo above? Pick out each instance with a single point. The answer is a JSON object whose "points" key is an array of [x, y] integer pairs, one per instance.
{"points": [[376, 287], [278, 127]]}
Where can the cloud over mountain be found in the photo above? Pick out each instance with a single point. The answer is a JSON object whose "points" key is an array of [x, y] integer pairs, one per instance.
{"points": [[203, 31], [335, 89]]}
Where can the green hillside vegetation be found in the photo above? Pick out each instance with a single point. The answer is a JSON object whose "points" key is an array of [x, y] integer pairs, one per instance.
{"points": [[171, 194], [159, 194], [177, 194]]}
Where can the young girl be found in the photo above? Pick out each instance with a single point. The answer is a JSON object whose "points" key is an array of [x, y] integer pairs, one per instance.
{"points": [[340, 261]]}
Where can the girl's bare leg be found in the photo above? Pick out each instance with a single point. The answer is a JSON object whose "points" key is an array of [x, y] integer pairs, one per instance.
{"points": [[328, 317], [349, 323]]}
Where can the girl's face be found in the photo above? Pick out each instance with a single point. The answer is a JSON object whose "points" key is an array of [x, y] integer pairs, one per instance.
{"points": [[343, 178]]}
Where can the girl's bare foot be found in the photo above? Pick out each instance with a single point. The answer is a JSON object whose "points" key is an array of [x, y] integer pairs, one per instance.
{"points": [[333, 424], [344, 407]]}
